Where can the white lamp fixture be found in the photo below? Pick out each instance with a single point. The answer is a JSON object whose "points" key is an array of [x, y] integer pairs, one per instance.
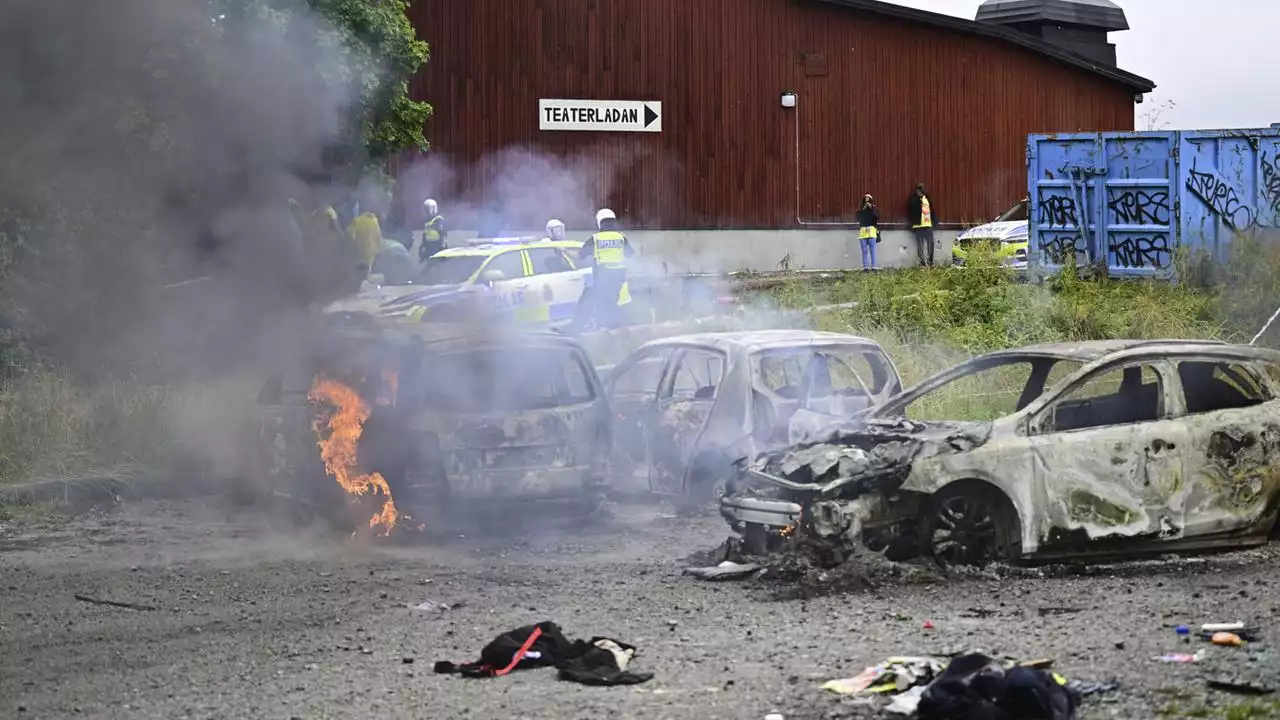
{"points": [[788, 99]]}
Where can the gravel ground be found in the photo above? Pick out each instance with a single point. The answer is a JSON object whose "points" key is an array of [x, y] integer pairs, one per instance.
{"points": [[251, 623]]}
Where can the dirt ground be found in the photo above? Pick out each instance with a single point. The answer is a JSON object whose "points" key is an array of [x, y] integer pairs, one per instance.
{"points": [[255, 623]]}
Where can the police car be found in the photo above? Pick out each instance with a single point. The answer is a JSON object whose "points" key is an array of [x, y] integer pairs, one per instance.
{"points": [[522, 279]]}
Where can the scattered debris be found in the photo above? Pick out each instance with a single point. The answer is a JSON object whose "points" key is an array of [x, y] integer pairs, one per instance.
{"points": [[907, 702], [928, 624], [1243, 687], [727, 570], [1226, 639], [113, 603], [1046, 611], [977, 613], [894, 675], [1180, 657], [1085, 688]]}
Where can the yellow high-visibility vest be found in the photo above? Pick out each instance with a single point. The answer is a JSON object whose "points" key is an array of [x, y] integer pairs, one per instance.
{"points": [[432, 232], [609, 249]]}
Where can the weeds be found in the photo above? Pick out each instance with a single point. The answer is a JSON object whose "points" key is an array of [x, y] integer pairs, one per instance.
{"points": [[51, 429]]}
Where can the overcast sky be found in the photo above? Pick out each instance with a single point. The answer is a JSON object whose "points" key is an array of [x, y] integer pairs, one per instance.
{"points": [[1213, 58]]}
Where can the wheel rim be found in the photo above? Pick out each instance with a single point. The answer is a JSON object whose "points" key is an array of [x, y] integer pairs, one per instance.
{"points": [[964, 530]]}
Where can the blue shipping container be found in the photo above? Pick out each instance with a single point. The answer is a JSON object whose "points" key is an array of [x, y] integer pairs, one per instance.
{"points": [[1129, 200]]}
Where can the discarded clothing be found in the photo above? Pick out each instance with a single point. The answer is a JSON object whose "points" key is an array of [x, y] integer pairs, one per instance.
{"points": [[894, 675], [604, 663], [727, 570], [976, 687], [601, 661]]}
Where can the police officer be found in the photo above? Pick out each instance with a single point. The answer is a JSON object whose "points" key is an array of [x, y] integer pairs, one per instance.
{"points": [[434, 233], [609, 249], [555, 230]]}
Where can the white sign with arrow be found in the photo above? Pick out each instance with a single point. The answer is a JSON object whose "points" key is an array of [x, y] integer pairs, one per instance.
{"points": [[600, 115]]}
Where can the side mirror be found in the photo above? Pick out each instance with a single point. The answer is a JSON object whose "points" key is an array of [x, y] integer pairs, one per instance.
{"points": [[488, 277]]}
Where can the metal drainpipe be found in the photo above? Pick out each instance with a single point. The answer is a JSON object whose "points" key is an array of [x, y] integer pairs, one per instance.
{"points": [[802, 223]]}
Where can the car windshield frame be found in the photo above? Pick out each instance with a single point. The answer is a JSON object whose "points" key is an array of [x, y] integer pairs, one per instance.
{"points": [[833, 351], [457, 261]]}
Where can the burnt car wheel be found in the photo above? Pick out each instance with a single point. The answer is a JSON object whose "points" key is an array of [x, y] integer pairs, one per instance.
{"points": [[970, 525]]}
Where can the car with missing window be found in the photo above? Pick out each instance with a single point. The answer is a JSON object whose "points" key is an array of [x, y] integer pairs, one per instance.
{"points": [[686, 408], [457, 420], [517, 279], [1085, 450], [1006, 236]]}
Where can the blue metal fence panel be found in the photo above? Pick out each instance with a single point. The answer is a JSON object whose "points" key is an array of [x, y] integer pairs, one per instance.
{"points": [[1103, 198], [1129, 201]]}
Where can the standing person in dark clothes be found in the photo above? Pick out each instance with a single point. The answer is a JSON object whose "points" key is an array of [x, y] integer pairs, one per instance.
{"points": [[868, 231], [920, 214]]}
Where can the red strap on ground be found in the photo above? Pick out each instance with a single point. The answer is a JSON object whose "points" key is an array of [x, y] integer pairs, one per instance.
{"points": [[537, 632]]}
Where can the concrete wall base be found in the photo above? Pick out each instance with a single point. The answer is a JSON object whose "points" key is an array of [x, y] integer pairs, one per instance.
{"points": [[665, 252]]}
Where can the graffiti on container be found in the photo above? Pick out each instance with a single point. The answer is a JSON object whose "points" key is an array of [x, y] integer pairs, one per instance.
{"points": [[1059, 249], [1221, 198], [1139, 207], [1058, 210], [1271, 182], [1136, 251]]}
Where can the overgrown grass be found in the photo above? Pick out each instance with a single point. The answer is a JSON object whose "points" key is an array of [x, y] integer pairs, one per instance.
{"points": [[930, 319], [49, 428]]}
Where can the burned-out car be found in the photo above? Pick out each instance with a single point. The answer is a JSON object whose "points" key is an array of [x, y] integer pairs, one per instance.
{"points": [[435, 417], [1108, 448], [685, 408]]}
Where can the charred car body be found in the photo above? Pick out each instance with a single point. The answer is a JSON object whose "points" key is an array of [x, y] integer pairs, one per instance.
{"points": [[448, 415], [1109, 448], [685, 408]]}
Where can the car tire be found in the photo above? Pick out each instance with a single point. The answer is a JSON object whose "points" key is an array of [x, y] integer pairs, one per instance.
{"points": [[970, 524]]}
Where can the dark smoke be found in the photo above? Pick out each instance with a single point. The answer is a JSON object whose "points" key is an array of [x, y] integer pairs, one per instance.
{"points": [[143, 142]]}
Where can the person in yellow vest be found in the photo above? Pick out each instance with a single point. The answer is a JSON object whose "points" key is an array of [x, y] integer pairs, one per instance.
{"points": [[366, 234], [868, 231], [920, 214], [608, 250], [434, 234]]}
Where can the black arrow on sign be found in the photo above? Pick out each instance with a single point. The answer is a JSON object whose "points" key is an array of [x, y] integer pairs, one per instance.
{"points": [[649, 116]]}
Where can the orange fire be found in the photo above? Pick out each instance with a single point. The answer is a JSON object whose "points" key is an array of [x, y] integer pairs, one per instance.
{"points": [[338, 449]]}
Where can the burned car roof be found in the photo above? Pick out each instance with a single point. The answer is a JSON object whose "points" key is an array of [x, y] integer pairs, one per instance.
{"points": [[1090, 350], [755, 340]]}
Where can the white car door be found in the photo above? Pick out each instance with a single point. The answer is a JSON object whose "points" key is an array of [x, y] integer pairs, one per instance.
{"points": [[558, 282], [508, 295]]}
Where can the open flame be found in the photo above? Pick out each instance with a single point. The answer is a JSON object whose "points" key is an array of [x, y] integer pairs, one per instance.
{"points": [[788, 531], [338, 448]]}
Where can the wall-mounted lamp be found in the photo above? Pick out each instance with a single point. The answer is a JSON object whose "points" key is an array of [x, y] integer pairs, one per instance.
{"points": [[788, 99], [1137, 97]]}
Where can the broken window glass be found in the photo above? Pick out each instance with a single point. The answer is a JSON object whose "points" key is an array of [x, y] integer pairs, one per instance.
{"points": [[697, 375], [1209, 386], [824, 370], [642, 377], [1115, 396]]}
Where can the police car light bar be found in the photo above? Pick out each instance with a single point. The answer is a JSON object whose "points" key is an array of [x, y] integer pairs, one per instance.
{"points": [[501, 241]]}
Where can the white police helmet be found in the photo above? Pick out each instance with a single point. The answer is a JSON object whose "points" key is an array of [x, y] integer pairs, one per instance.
{"points": [[604, 214], [555, 229]]}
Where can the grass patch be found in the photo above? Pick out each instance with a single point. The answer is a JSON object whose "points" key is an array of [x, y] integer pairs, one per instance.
{"points": [[51, 429], [930, 319]]}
